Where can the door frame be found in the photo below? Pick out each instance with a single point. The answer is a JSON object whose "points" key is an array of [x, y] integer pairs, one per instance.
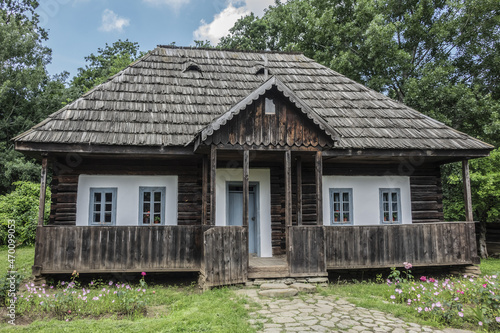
{"points": [[256, 184]]}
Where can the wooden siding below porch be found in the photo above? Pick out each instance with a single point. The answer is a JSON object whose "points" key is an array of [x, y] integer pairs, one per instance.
{"points": [[423, 244]]}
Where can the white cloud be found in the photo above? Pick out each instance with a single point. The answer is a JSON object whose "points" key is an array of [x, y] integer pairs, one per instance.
{"points": [[225, 20], [176, 4], [112, 22]]}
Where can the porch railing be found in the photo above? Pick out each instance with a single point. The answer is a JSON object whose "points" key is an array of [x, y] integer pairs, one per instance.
{"points": [[424, 244]]}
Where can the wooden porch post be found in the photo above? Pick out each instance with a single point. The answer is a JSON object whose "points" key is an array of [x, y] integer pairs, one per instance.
{"points": [[43, 188], [246, 162], [213, 167], [467, 191], [319, 187], [288, 201], [299, 190], [204, 190]]}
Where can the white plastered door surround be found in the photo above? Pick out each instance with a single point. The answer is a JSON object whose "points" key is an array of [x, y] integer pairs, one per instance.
{"points": [[261, 176], [127, 197], [366, 196]]}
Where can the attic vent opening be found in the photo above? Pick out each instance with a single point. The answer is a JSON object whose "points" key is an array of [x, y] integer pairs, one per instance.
{"points": [[261, 70], [269, 107], [191, 67]]}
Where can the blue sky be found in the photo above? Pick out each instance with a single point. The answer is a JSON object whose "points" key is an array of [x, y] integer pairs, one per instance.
{"points": [[79, 27]]}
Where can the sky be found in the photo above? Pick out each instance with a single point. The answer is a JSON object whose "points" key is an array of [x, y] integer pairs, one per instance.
{"points": [[78, 28]]}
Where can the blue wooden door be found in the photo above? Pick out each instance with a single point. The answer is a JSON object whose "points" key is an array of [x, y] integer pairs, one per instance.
{"points": [[235, 212]]}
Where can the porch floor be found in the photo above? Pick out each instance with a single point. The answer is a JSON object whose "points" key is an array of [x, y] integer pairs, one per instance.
{"points": [[266, 268]]}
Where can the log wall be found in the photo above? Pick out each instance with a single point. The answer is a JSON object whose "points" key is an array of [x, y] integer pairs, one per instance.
{"points": [[349, 247], [307, 251], [62, 249]]}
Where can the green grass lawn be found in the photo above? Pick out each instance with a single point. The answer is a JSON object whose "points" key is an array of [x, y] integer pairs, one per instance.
{"points": [[23, 261]]}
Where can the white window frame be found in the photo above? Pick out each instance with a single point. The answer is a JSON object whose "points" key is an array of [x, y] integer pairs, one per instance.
{"points": [[102, 191], [390, 191], [152, 190], [341, 212]]}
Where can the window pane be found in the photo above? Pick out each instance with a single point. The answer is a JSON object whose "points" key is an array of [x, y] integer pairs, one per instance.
{"points": [[97, 217], [97, 207], [346, 217], [108, 207], [157, 207], [336, 207], [394, 196], [386, 207], [394, 206], [395, 217], [336, 217], [386, 217], [157, 196], [385, 196], [345, 196], [97, 197], [345, 207], [157, 219], [147, 196], [107, 217], [109, 197], [336, 197], [145, 219], [145, 207]]}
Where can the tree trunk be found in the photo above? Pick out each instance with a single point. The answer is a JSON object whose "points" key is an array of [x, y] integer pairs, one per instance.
{"points": [[483, 251]]}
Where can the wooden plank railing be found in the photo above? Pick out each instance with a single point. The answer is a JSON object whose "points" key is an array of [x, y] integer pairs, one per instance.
{"points": [[307, 251], [423, 244], [225, 259], [90, 249]]}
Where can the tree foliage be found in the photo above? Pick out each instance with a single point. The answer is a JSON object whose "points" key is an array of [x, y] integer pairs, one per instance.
{"points": [[107, 62], [21, 206]]}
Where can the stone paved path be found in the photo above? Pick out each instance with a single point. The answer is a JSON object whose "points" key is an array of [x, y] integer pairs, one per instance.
{"points": [[315, 313]]}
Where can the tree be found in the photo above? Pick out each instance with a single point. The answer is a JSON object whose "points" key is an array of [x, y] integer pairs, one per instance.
{"points": [[107, 62]]}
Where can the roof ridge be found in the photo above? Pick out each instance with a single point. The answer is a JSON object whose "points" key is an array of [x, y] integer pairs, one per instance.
{"points": [[226, 50]]}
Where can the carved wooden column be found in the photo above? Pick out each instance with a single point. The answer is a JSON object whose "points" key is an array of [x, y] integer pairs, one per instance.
{"points": [[467, 191], [43, 189], [213, 168], [318, 168], [204, 191], [299, 190], [246, 162]]}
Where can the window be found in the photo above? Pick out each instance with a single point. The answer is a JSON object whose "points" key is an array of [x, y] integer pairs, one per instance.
{"points": [[152, 205], [390, 205], [341, 206], [269, 107], [102, 206]]}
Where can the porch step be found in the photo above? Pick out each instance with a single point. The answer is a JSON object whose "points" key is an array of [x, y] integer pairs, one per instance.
{"points": [[284, 290], [267, 272]]}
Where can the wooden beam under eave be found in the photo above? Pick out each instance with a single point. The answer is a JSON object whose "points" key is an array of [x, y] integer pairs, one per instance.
{"points": [[467, 191], [43, 189], [318, 171], [288, 202], [299, 190], [213, 169], [246, 167], [204, 191]]}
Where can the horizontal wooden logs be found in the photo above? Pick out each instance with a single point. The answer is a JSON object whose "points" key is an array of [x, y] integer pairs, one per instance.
{"points": [[63, 249], [446, 243]]}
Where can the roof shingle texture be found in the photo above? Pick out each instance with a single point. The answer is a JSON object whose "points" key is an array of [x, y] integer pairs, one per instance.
{"points": [[155, 102]]}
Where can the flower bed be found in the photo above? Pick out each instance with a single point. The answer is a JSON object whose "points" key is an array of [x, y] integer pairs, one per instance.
{"points": [[69, 300], [454, 301]]}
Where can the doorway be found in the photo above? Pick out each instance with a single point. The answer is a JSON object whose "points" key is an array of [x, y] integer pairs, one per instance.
{"points": [[235, 212]]}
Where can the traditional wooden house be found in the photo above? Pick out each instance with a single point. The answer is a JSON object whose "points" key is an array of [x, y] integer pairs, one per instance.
{"points": [[241, 165]]}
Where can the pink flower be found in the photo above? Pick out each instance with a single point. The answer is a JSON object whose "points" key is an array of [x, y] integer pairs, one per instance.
{"points": [[432, 280], [497, 319], [154, 292], [393, 297], [480, 323], [69, 311], [484, 285], [407, 265], [143, 273], [460, 314]]}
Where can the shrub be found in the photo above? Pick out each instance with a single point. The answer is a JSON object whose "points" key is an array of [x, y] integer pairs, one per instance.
{"points": [[6, 282], [21, 205]]}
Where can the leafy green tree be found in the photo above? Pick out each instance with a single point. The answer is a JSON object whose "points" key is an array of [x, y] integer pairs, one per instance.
{"points": [[21, 206], [107, 62]]}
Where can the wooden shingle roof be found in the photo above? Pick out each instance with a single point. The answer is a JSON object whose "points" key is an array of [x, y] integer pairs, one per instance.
{"points": [[159, 101]]}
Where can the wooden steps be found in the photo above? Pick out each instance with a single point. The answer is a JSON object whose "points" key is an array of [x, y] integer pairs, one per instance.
{"points": [[268, 272]]}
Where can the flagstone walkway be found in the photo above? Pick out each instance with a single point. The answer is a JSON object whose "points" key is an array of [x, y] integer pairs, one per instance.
{"points": [[316, 313]]}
